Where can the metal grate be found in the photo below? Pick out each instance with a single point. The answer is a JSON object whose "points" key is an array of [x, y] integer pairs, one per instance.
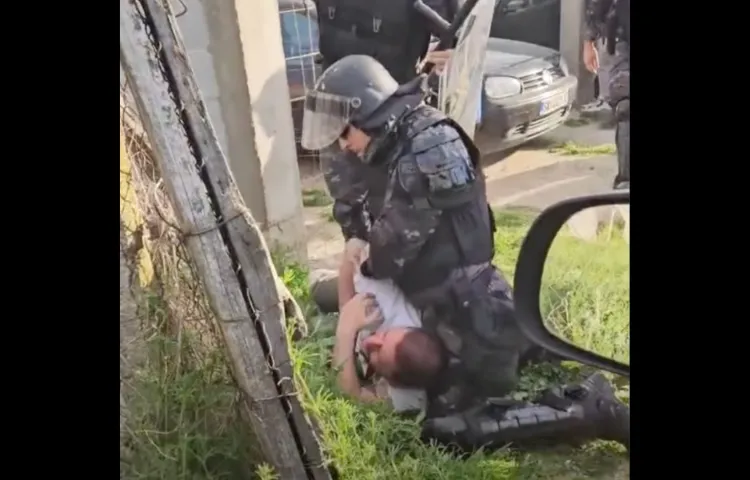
{"points": [[299, 36], [535, 81]]}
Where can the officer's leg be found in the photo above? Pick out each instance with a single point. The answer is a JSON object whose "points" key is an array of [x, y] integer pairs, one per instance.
{"points": [[622, 140], [571, 415], [619, 94], [604, 72], [527, 352]]}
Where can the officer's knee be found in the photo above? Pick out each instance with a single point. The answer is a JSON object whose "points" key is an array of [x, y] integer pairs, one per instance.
{"points": [[622, 110]]}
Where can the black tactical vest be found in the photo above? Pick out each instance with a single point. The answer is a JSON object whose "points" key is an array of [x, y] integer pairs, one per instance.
{"points": [[388, 30], [463, 236]]}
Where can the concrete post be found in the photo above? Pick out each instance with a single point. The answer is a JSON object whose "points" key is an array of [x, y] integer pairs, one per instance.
{"points": [[236, 53], [571, 40]]}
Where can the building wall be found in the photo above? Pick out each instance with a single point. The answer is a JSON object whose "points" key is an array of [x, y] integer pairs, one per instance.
{"points": [[234, 47]]}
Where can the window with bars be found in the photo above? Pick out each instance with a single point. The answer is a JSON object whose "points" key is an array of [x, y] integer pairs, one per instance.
{"points": [[299, 35]]}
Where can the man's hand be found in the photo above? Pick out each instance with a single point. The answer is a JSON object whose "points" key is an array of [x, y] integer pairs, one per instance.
{"points": [[590, 56], [353, 251], [440, 59], [360, 312]]}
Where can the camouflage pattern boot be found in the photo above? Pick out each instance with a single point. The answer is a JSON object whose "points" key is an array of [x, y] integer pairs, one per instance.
{"points": [[564, 415]]}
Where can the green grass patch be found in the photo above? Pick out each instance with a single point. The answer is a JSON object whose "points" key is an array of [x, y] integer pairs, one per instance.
{"points": [[185, 421], [315, 198], [575, 149], [369, 443], [576, 122]]}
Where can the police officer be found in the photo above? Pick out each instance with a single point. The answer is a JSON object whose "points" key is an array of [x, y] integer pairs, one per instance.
{"points": [[609, 20], [433, 238], [394, 33]]}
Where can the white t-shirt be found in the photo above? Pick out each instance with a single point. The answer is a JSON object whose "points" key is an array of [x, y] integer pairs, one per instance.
{"points": [[397, 312]]}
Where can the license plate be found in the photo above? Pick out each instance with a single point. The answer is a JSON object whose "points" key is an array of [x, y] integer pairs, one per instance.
{"points": [[553, 103]]}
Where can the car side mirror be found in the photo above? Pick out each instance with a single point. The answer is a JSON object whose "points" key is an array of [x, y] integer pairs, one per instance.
{"points": [[572, 281]]}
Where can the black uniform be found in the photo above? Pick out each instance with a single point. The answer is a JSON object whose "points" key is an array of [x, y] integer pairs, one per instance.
{"points": [[397, 36], [610, 20], [433, 237]]}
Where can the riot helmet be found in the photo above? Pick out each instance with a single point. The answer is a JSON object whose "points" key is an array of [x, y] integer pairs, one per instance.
{"points": [[348, 92]]}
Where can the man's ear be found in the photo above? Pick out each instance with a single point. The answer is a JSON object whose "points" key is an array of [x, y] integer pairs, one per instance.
{"points": [[375, 339]]}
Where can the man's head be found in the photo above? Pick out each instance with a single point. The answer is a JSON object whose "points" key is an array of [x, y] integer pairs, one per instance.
{"points": [[406, 357]]}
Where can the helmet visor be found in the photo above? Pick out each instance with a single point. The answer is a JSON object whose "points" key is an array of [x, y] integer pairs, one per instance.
{"points": [[325, 118]]}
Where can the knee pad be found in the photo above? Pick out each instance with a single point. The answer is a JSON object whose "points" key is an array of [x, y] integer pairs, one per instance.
{"points": [[622, 110]]}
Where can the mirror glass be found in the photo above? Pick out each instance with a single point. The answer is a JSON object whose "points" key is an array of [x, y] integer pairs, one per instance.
{"points": [[585, 289]]}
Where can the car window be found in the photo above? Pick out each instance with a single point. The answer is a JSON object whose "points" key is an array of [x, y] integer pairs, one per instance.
{"points": [[510, 7], [299, 33]]}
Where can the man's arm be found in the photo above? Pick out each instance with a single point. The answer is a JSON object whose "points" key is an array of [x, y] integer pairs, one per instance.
{"points": [[398, 235], [408, 219], [345, 282], [353, 316], [347, 185]]}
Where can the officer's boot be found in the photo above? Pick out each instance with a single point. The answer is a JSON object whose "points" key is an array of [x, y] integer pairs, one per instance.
{"points": [[570, 415]]}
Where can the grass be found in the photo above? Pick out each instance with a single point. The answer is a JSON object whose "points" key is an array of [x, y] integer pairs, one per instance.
{"points": [[575, 149], [186, 423], [576, 122], [369, 443], [315, 198]]}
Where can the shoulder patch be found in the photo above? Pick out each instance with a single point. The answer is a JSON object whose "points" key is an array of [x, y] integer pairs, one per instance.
{"points": [[408, 173], [433, 136]]}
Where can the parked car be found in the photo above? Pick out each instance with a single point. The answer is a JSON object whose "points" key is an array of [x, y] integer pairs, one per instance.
{"points": [[527, 89]]}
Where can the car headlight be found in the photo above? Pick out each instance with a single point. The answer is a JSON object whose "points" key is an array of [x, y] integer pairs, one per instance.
{"points": [[501, 87]]}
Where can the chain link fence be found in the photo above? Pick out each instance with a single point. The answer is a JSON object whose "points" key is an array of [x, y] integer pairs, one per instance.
{"points": [[180, 409]]}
